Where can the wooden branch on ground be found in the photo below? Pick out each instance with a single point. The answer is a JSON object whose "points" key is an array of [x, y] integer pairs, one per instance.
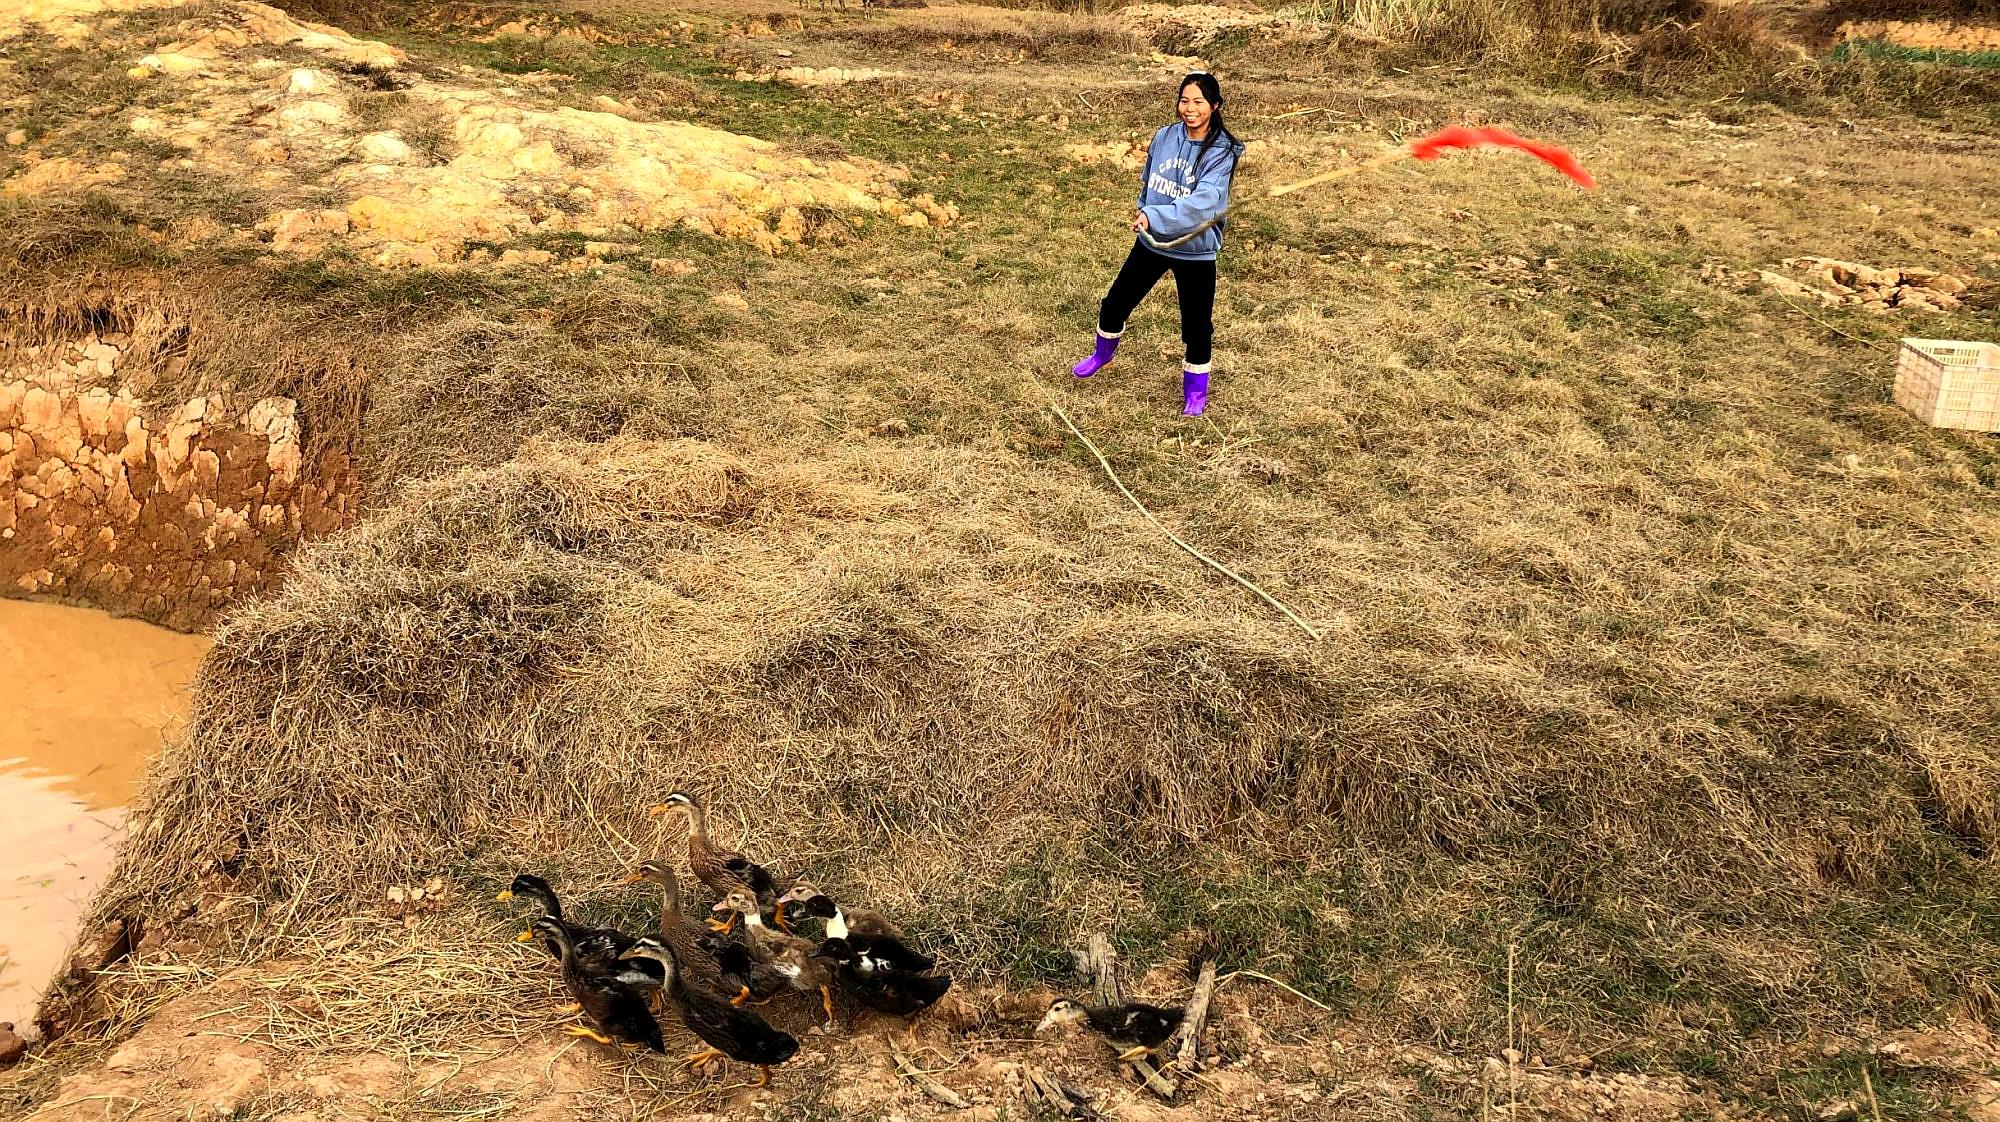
{"points": [[1102, 962], [1045, 1090], [1196, 1019], [1204, 558], [922, 1079]]}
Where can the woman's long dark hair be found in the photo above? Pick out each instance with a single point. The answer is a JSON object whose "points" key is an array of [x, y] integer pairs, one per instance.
{"points": [[1211, 90]]}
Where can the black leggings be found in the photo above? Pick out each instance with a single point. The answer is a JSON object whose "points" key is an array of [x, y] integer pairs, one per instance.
{"points": [[1194, 283]]}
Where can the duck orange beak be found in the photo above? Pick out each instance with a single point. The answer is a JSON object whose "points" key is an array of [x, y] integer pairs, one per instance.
{"points": [[524, 936], [657, 809], [506, 894], [635, 878]]}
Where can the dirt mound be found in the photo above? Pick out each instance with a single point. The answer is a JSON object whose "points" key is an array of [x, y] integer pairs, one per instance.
{"points": [[253, 1034], [809, 78], [418, 166], [1941, 35]]}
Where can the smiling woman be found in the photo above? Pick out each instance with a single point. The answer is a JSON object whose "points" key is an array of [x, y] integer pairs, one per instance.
{"points": [[1183, 198], [89, 698]]}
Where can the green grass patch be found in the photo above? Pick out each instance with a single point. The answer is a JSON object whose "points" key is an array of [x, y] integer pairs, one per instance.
{"points": [[1878, 49]]}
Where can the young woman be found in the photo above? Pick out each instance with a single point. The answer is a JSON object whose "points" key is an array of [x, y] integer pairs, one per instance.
{"points": [[1183, 196]]}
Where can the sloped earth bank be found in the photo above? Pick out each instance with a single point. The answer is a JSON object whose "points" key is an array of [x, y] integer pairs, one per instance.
{"points": [[168, 511]]}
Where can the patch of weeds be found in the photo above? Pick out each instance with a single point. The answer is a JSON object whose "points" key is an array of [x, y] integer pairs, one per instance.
{"points": [[373, 110], [1877, 49], [1898, 1094], [430, 137]]}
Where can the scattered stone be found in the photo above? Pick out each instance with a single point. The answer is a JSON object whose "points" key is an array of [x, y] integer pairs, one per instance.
{"points": [[525, 259], [17, 137], [12, 1045], [807, 77], [1834, 283], [98, 950], [731, 301]]}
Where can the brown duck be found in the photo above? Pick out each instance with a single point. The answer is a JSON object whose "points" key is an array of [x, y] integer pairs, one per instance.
{"points": [[708, 959]]}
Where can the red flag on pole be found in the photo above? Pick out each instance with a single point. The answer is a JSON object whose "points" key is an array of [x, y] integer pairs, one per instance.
{"points": [[1460, 136]]}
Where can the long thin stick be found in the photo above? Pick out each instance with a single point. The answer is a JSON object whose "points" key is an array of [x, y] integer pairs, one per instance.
{"points": [[1273, 981], [1830, 327], [1513, 1066], [1874, 1107], [1381, 161], [923, 1080], [1175, 538]]}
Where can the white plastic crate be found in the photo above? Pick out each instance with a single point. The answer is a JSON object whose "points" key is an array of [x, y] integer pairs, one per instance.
{"points": [[1950, 384]]}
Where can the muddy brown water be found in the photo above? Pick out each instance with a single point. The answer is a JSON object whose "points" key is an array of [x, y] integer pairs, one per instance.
{"points": [[84, 702]]}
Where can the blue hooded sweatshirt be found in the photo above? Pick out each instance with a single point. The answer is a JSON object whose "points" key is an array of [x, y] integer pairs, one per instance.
{"points": [[1176, 196]]}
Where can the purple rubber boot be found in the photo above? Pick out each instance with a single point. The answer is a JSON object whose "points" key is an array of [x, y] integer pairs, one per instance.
{"points": [[1194, 391], [1107, 345]]}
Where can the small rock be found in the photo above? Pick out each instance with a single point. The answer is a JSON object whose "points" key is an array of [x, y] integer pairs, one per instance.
{"points": [[17, 138], [12, 1046], [731, 301], [896, 427], [382, 148], [106, 946]]}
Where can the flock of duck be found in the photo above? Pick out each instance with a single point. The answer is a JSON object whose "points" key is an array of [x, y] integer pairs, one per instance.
{"points": [[710, 971]]}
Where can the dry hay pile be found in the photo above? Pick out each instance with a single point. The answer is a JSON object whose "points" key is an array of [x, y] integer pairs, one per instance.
{"points": [[436, 164], [1187, 27], [992, 703]]}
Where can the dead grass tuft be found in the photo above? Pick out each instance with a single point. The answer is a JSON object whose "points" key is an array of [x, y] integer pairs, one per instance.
{"points": [[1051, 36]]}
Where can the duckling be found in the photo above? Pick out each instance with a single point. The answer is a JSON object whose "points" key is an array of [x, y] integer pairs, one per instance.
{"points": [[607, 993], [601, 944], [879, 937], [721, 870], [807, 898], [729, 1030], [788, 955], [878, 984], [1137, 1027]]}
